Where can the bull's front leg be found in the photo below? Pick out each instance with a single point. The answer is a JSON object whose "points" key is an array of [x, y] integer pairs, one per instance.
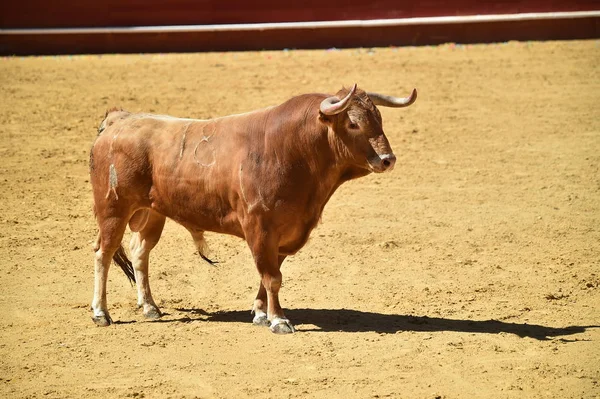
{"points": [[264, 247], [260, 307]]}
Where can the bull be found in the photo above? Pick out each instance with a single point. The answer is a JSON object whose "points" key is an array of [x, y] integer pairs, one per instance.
{"points": [[264, 176]]}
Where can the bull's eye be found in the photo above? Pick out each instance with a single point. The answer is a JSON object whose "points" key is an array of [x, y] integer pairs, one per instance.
{"points": [[353, 125]]}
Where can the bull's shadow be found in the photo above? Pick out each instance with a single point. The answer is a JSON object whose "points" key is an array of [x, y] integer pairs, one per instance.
{"points": [[348, 320]]}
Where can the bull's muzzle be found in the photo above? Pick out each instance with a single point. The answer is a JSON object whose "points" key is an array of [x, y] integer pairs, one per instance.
{"points": [[383, 163]]}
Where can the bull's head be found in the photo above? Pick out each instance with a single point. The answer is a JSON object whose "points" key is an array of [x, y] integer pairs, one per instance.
{"points": [[356, 121]]}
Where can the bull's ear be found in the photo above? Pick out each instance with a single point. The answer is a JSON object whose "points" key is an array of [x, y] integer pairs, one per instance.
{"points": [[325, 119]]}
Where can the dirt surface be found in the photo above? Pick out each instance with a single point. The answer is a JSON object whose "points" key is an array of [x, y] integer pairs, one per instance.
{"points": [[472, 270]]}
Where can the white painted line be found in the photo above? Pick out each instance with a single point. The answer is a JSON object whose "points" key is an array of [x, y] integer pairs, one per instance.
{"points": [[309, 25]]}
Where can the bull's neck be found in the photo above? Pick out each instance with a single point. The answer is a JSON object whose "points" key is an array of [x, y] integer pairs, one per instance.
{"points": [[302, 141]]}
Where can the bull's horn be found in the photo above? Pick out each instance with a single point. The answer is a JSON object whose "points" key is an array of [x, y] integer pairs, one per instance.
{"points": [[333, 105], [389, 101]]}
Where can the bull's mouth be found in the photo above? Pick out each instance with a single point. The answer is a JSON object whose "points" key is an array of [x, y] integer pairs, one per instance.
{"points": [[382, 163]]}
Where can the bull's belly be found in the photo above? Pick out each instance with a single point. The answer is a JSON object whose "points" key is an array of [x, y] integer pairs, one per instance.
{"points": [[208, 212], [200, 215]]}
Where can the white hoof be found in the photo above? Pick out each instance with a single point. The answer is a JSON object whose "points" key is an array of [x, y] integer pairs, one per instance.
{"points": [[153, 313], [261, 320], [102, 320], [282, 326]]}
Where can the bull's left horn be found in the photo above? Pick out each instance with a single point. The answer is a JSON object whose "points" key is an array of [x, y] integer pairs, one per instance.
{"points": [[333, 105], [389, 101]]}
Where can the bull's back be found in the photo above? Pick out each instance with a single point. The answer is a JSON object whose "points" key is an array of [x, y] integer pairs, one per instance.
{"points": [[195, 176], [184, 169], [203, 174], [121, 158]]}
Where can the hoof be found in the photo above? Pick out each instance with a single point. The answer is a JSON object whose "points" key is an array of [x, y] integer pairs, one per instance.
{"points": [[282, 326], [153, 313], [103, 320], [261, 320]]}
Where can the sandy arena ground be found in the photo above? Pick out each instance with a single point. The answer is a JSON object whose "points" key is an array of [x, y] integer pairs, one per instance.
{"points": [[470, 271]]}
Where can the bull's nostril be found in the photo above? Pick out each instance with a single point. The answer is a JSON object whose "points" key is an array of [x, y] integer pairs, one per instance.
{"points": [[383, 163]]}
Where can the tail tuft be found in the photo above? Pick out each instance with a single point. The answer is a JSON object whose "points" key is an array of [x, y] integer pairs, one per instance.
{"points": [[208, 260], [120, 258]]}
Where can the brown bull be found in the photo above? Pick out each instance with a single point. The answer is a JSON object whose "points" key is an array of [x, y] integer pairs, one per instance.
{"points": [[264, 176]]}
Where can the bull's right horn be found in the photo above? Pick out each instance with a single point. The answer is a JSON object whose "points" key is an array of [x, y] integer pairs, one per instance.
{"points": [[333, 105], [389, 101]]}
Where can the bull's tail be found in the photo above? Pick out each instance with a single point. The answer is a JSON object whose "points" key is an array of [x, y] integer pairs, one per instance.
{"points": [[120, 258], [208, 260]]}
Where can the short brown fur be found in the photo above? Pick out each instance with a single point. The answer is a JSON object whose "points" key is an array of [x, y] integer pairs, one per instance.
{"points": [[263, 176]]}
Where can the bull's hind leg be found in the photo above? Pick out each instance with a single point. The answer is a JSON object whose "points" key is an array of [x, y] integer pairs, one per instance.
{"points": [[109, 240], [147, 226]]}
